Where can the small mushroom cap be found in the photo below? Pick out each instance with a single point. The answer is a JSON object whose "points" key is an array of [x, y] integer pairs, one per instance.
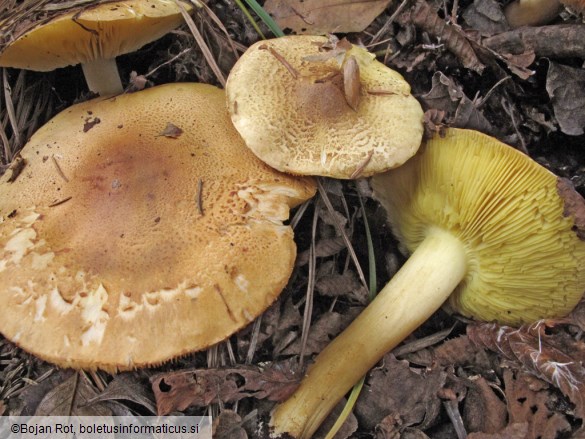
{"points": [[293, 103], [525, 261], [101, 32], [140, 229]]}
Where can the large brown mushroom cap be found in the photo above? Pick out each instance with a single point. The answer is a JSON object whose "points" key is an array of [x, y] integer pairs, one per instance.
{"points": [[141, 228], [289, 101], [101, 32], [525, 261]]}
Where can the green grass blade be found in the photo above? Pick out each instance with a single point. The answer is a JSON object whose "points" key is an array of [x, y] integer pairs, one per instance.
{"points": [[259, 10], [250, 18]]}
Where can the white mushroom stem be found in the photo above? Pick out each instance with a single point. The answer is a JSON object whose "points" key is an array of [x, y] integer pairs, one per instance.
{"points": [[531, 12], [421, 286], [102, 77]]}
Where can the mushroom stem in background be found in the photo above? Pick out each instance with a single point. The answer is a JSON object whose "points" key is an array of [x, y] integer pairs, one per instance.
{"points": [[390, 318], [531, 12], [102, 77]]}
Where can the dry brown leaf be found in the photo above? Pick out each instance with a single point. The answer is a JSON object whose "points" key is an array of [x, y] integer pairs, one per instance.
{"points": [[201, 387], [327, 326], [566, 88], [345, 284], [228, 425], [527, 402], [325, 16], [486, 16], [71, 398], [395, 389], [426, 18], [126, 386], [483, 411], [448, 96], [352, 86], [323, 248], [539, 354], [518, 430]]}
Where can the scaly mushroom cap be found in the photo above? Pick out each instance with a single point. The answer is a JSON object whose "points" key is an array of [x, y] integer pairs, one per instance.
{"points": [[524, 260], [101, 32], [291, 100], [141, 228]]}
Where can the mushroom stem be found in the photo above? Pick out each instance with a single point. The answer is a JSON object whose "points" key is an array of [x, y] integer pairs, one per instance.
{"points": [[421, 286], [102, 77], [531, 12]]}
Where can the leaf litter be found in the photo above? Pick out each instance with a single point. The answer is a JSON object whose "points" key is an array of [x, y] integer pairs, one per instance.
{"points": [[450, 377]]}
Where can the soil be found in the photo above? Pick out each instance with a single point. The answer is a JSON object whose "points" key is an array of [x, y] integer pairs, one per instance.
{"points": [[451, 377]]}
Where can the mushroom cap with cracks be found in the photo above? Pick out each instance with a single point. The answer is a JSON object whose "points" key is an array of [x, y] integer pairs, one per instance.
{"points": [[308, 109], [490, 230], [92, 37], [140, 229]]}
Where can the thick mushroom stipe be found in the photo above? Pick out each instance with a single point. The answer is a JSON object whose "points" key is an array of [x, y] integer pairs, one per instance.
{"points": [[491, 234], [297, 110], [124, 243]]}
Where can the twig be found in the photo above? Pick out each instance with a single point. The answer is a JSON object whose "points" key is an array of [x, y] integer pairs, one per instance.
{"points": [[199, 196], [201, 43], [388, 23], [361, 166], [59, 170], [281, 59], [57, 203]]}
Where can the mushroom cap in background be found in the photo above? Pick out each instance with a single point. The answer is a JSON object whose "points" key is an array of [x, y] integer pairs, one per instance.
{"points": [[525, 260], [291, 99], [140, 229], [100, 32]]}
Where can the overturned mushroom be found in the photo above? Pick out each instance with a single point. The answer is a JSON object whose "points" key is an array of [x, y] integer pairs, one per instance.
{"points": [[93, 37], [490, 235], [122, 246], [309, 106]]}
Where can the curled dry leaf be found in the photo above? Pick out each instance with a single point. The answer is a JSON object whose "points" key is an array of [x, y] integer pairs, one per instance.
{"points": [[325, 16], [396, 389], [351, 82], [201, 387], [426, 18], [566, 88], [486, 16], [447, 96], [539, 354]]}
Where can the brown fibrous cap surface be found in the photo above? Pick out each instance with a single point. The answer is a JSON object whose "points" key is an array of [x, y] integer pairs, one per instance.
{"points": [[139, 229]]}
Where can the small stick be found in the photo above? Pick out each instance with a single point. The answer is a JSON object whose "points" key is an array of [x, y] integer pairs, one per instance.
{"points": [[360, 167], [199, 199], [59, 170], [56, 203], [283, 61]]}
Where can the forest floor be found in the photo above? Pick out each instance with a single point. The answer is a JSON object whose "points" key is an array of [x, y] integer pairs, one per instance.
{"points": [[451, 377]]}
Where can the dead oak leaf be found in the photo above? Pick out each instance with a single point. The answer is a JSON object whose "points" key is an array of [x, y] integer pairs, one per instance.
{"points": [[396, 389], [316, 17], [201, 387], [566, 88]]}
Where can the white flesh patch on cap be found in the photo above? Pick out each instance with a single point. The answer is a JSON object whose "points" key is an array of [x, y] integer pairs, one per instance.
{"points": [[242, 283], [94, 315], [40, 306], [127, 308]]}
